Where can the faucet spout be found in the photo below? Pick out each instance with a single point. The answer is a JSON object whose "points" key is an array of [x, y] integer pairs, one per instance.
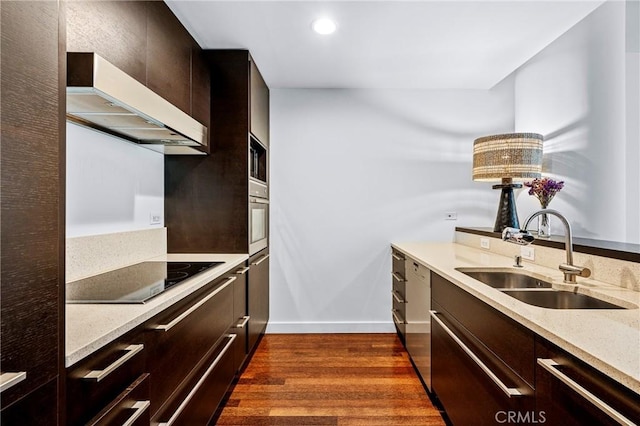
{"points": [[523, 237]]}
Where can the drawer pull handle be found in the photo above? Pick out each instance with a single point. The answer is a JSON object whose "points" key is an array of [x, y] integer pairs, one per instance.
{"points": [[397, 277], [213, 365], [176, 320], [242, 271], [397, 297], [550, 365], [98, 375], [245, 320], [396, 318], [262, 259], [140, 407], [396, 257], [8, 380], [510, 392]]}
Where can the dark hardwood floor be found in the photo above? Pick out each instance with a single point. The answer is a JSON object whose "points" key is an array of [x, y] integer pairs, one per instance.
{"points": [[329, 379]]}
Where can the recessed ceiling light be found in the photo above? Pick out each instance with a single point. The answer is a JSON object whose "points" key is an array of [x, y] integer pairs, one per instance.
{"points": [[324, 26]]}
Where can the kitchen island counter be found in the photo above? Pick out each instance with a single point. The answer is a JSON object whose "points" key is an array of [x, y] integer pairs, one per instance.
{"points": [[609, 340]]}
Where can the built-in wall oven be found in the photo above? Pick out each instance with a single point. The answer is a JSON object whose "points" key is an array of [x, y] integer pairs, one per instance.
{"points": [[258, 216]]}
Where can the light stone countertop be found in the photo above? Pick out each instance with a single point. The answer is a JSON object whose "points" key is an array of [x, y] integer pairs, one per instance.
{"points": [[89, 327], [609, 340]]}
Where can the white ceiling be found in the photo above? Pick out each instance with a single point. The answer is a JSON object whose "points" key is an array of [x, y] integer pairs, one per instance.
{"points": [[383, 44]]}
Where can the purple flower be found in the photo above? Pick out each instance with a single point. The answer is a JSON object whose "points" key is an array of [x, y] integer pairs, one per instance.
{"points": [[544, 189]]}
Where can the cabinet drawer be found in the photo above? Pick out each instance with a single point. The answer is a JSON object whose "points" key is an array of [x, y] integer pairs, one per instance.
{"points": [[131, 407], [399, 286], [463, 382], [96, 381], [241, 318], [179, 340], [570, 392], [398, 260], [498, 333], [197, 400]]}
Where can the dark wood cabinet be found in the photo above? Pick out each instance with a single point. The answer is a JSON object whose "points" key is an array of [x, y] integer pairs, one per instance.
{"points": [[94, 384], [31, 210], [259, 105], [200, 89], [398, 293], [168, 56], [242, 318], [180, 342], [207, 199], [115, 30], [258, 290], [482, 362], [572, 393], [131, 407]]}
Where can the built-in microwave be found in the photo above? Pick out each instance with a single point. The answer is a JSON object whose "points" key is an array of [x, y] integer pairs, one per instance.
{"points": [[258, 217], [257, 160]]}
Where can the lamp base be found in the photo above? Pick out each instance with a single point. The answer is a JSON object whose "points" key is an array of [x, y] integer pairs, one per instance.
{"points": [[507, 215]]}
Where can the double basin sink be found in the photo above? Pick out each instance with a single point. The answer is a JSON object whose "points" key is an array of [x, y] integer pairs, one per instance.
{"points": [[535, 291]]}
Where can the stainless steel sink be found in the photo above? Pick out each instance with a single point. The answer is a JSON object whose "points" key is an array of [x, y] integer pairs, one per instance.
{"points": [[505, 279], [555, 299], [533, 290]]}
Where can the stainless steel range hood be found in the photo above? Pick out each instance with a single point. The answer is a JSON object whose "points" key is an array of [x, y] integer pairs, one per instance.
{"points": [[102, 97]]}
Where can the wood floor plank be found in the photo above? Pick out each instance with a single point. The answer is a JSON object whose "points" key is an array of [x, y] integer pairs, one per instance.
{"points": [[329, 379]]}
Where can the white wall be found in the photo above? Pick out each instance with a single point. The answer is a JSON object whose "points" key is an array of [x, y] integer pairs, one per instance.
{"points": [[352, 171], [575, 92], [112, 185]]}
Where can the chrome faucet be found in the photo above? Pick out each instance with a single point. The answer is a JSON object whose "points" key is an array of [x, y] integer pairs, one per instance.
{"points": [[523, 237]]}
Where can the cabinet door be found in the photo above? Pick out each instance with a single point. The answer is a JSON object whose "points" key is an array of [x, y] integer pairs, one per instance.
{"points": [[473, 388], [32, 243], [258, 296], [115, 30], [571, 393], [168, 56], [200, 89], [259, 106]]}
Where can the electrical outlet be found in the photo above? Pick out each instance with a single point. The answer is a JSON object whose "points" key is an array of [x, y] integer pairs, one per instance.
{"points": [[527, 252], [484, 243], [155, 219], [451, 216]]}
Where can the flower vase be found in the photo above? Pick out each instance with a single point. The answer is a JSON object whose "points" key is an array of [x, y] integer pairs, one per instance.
{"points": [[544, 225]]}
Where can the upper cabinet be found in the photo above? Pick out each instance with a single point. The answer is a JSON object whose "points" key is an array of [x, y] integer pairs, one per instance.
{"points": [[207, 199], [168, 57], [259, 114], [145, 40]]}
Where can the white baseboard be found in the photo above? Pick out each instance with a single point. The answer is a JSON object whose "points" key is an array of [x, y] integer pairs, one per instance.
{"points": [[330, 327]]}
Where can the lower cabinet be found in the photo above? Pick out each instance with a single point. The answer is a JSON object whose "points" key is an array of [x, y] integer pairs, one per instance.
{"points": [[184, 345], [478, 373], [172, 370], [95, 385], [240, 313], [258, 296], [398, 293], [488, 369], [570, 392]]}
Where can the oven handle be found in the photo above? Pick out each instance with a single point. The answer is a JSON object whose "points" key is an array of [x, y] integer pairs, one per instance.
{"points": [[259, 200]]}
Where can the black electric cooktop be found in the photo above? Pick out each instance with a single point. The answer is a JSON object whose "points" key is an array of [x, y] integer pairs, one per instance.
{"points": [[133, 284]]}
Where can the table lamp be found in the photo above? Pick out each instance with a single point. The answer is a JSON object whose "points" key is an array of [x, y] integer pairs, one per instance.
{"points": [[505, 158]]}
